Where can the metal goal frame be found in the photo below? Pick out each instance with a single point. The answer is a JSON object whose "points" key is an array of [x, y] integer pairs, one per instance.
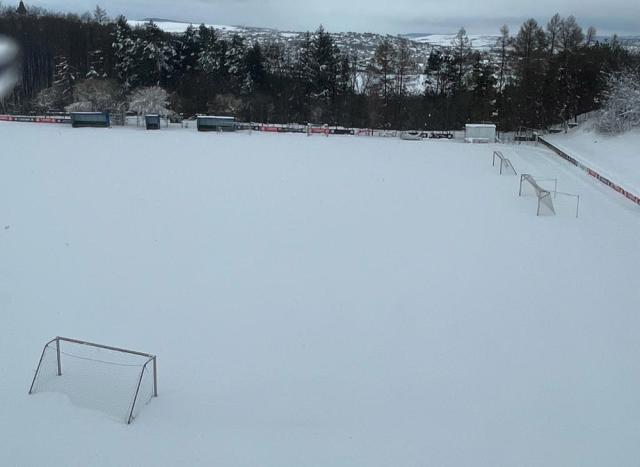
{"points": [[151, 360]]}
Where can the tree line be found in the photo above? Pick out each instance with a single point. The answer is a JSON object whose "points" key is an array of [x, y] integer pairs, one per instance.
{"points": [[540, 76]]}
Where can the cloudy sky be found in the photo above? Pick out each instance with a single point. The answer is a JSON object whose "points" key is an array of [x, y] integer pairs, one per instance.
{"points": [[384, 16]]}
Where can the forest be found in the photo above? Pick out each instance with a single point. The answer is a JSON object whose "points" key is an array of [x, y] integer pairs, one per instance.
{"points": [[544, 74]]}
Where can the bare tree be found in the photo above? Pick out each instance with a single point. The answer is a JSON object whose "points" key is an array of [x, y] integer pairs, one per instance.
{"points": [[553, 33], [404, 67], [591, 36], [571, 35], [100, 15], [502, 45], [461, 47]]}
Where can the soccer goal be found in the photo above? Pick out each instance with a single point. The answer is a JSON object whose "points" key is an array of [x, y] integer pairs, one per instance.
{"points": [[550, 200], [112, 380], [506, 167]]}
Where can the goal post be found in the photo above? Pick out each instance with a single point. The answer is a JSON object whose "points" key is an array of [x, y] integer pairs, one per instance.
{"points": [[505, 164], [101, 377], [550, 200]]}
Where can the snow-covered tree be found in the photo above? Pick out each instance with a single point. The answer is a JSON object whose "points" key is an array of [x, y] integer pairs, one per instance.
{"points": [[150, 100], [65, 76], [124, 46], [95, 95], [621, 110], [96, 65]]}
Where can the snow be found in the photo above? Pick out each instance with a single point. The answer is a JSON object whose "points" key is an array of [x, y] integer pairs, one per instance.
{"points": [[478, 41], [616, 157], [178, 27], [316, 301]]}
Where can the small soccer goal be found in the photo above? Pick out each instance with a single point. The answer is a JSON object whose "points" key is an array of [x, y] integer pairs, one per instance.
{"points": [[111, 380], [551, 202]]}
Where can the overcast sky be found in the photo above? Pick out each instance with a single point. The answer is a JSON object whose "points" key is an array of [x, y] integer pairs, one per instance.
{"points": [[383, 16]]}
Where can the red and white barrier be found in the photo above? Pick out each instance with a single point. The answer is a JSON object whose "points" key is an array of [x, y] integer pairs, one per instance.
{"points": [[34, 119]]}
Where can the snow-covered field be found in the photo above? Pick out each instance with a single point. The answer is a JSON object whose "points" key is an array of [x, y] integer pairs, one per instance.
{"points": [[316, 301], [478, 41]]}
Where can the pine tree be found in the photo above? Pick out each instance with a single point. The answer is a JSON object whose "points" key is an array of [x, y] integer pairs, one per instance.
{"points": [[64, 79], [124, 47]]}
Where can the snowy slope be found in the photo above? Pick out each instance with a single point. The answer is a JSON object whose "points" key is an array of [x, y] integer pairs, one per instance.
{"points": [[478, 41], [617, 157], [316, 301], [179, 27]]}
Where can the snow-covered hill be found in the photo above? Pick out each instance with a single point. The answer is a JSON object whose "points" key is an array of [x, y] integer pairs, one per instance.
{"points": [[615, 156], [361, 45], [478, 41]]}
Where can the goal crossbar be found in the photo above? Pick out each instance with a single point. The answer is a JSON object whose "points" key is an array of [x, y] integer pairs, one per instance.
{"points": [[151, 359]]}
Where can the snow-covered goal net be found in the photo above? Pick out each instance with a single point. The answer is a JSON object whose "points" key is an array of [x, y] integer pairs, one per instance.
{"points": [[551, 202], [115, 381]]}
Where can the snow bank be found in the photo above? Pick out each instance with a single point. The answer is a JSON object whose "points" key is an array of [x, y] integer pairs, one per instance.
{"points": [[617, 157], [316, 301]]}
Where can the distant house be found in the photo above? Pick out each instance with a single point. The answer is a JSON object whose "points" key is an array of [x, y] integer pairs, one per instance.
{"points": [[90, 119], [152, 121], [214, 123]]}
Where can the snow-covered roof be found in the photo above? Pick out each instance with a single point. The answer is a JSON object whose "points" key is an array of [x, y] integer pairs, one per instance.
{"points": [[216, 116], [480, 125]]}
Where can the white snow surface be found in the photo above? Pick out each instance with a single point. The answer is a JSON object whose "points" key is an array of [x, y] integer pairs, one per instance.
{"points": [[478, 41], [317, 301], [177, 27], [615, 156]]}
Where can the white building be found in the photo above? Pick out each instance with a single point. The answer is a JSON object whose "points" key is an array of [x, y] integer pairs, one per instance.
{"points": [[479, 133]]}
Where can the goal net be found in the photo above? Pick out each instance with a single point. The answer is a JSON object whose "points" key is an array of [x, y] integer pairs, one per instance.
{"points": [[550, 201], [114, 381]]}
